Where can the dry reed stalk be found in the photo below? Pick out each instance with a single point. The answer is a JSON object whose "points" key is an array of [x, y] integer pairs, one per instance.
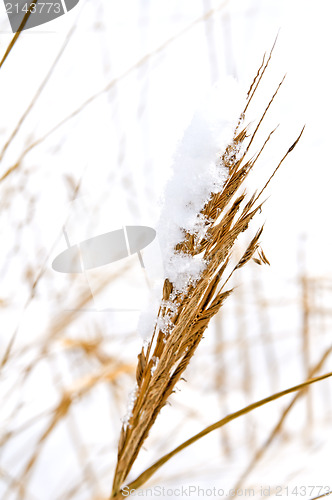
{"points": [[115, 81], [58, 325], [109, 371], [140, 480], [220, 380], [37, 94], [245, 362], [19, 31], [306, 341], [266, 335], [322, 496], [278, 427], [162, 363], [78, 390]]}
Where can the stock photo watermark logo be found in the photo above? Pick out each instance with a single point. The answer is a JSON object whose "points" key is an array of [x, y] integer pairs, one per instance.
{"points": [[26, 14], [102, 250]]}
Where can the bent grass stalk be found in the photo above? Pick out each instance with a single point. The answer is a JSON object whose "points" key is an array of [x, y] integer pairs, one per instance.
{"points": [[227, 215], [140, 480], [277, 428]]}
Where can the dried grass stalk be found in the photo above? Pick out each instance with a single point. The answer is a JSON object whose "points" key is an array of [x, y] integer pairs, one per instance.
{"points": [[188, 314], [140, 480]]}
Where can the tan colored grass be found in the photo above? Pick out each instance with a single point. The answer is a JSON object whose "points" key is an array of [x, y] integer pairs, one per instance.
{"points": [[19, 31], [78, 390], [229, 214], [217, 425], [277, 428]]}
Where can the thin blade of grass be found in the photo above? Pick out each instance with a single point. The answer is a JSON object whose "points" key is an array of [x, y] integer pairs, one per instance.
{"points": [[276, 430], [142, 478], [17, 34]]}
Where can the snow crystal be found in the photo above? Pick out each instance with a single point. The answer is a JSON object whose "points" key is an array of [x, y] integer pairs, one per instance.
{"points": [[168, 304], [155, 361], [165, 324], [184, 270], [131, 403], [198, 171]]}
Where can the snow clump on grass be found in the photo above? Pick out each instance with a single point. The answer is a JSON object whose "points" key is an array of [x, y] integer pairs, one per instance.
{"points": [[198, 172]]}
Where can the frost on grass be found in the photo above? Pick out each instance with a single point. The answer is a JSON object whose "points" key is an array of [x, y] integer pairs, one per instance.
{"points": [[131, 403], [155, 361], [183, 270], [198, 172]]}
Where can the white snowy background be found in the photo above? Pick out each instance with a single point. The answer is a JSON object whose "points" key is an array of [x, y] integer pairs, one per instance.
{"points": [[102, 131]]}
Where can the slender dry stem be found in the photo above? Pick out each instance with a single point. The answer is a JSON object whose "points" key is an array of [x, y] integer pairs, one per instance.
{"points": [[187, 315]]}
